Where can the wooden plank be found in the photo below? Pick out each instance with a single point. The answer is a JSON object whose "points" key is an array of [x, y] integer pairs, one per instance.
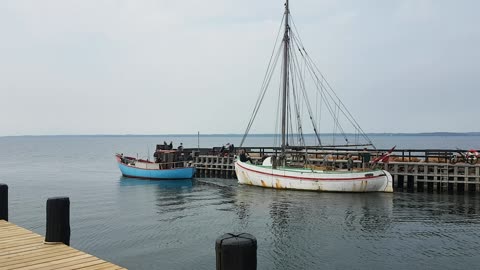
{"points": [[7, 234], [20, 237], [31, 254], [78, 265], [16, 249], [66, 263], [35, 258], [29, 249], [5, 223], [23, 249], [101, 266], [47, 261], [21, 243], [12, 230], [108, 266]]}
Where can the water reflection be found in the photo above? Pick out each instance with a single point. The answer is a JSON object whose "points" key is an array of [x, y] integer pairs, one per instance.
{"points": [[172, 199], [366, 212], [242, 210], [458, 209], [311, 223], [282, 229], [310, 230], [127, 181], [376, 212], [169, 196], [280, 214]]}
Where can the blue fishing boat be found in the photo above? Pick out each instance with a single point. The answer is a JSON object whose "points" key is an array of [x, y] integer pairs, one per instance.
{"points": [[169, 164]]}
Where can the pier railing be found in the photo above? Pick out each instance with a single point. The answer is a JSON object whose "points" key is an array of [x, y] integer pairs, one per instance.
{"points": [[403, 155]]}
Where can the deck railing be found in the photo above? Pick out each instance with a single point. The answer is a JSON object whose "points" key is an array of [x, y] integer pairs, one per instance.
{"points": [[402, 155]]}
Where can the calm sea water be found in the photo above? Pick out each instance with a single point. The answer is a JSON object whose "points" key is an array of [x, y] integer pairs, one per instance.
{"points": [[142, 224]]}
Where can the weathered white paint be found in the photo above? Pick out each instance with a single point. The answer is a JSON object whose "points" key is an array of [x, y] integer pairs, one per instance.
{"points": [[146, 165], [307, 179]]}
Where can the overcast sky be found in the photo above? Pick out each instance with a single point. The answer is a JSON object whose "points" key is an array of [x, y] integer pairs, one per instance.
{"points": [[163, 67]]}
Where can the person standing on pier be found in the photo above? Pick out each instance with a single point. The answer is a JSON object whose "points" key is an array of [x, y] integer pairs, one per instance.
{"points": [[365, 158], [231, 149], [244, 157], [349, 162]]}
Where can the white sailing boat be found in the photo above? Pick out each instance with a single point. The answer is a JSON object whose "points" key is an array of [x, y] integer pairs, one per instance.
{"points": [[281, 171]]}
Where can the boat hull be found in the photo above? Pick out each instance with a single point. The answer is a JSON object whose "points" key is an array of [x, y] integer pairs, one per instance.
{"points": [[175, 173], [303, 179]]}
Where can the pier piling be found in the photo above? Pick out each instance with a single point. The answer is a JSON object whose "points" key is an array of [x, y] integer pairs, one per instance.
{"points": [[4, 202], [58, 221], [236, 252]]}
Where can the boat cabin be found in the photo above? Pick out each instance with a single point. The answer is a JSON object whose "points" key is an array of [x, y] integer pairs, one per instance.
{"points": [[168, 157]]}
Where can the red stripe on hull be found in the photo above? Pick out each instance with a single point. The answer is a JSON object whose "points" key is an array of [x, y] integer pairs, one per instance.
{"points": [[152, 178]]}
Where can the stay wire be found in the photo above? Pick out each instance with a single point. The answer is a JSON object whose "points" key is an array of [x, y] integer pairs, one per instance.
{"points": [[345, 110], [265, 83]]}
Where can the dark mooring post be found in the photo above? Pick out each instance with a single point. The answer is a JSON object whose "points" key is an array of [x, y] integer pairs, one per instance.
{"points": [[236, 252], [58, 220], [4, 202]]}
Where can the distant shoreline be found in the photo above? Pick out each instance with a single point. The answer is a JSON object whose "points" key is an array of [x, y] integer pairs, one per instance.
{"points": [[256, 135]]}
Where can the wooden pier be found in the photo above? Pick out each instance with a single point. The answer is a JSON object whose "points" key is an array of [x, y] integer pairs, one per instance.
{"points": [[435, 177], [214, 166], [413, 170], [21, 248]]}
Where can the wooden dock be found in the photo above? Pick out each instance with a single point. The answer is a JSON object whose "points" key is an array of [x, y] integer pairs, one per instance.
{"points": [[214, 166], [23, 249]]}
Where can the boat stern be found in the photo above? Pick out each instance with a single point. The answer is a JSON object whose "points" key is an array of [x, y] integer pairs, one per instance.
{"points": [[389, 184]]}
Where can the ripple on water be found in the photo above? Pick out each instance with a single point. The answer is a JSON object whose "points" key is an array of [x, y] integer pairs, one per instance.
{"points": [[173, 225]]}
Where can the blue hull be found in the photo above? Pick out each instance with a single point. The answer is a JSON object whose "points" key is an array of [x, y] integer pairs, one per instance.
{"points": [[177, 173]]}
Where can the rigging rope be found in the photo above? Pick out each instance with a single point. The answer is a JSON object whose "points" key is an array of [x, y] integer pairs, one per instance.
{"points": [[327, 89], [299, 65], [266, 82], [305, 96]]}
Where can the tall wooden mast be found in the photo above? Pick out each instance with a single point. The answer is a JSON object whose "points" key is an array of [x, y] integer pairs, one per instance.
{"points": [[286, 41]]}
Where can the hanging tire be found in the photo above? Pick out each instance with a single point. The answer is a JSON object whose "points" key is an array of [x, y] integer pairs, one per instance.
{"points": [[453, 159], [472, 160], [472, 156]]}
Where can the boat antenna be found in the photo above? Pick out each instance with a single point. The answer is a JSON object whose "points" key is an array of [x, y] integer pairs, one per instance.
{"points": [[286, 40]]}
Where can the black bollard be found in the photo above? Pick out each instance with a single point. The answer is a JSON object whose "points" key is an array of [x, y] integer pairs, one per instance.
{"points": [[4, 202], [58, 221], [236, 252]]}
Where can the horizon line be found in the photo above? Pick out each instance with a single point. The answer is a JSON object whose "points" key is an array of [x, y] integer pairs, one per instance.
{"points": [[239, 134]]}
